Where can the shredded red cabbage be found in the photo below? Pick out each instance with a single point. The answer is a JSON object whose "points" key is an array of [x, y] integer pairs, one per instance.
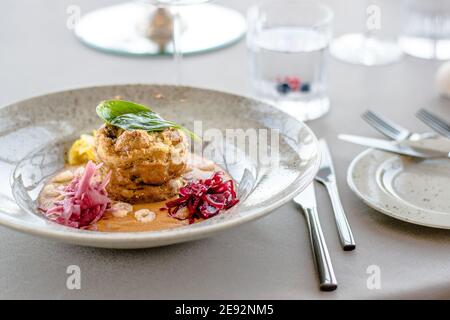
{"points": [[85, 200], [203, 198]]}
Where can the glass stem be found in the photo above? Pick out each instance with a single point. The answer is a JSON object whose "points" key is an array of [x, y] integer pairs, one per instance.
{"points": [[177, 49]]}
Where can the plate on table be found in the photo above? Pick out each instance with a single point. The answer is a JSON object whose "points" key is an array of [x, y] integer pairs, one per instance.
{"points": [[408, 189], [36, 134]]}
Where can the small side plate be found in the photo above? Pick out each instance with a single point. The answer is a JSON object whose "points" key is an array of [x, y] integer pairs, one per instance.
{"points": [[412, 190]]}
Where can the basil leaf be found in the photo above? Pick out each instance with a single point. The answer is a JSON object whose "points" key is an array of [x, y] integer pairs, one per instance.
{"points": [[133, 116], [110, 109], [148, 121]]}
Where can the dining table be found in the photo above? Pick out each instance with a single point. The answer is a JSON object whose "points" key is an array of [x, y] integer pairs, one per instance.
{"points": [[269, 258]]}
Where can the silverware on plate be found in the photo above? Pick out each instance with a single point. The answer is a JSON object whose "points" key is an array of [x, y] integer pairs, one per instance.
{"points": [[434, 122], [327, 177], [307, 201], [395, 147]]}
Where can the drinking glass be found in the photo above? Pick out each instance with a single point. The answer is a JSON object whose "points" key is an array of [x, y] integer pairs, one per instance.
{"points": [[288, 48], [426, 29], [369, 47]]}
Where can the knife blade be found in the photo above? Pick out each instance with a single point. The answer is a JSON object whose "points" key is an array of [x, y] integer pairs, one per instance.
{"points": [[307, 198], [307, 201], [327, 177], [394, 147]]}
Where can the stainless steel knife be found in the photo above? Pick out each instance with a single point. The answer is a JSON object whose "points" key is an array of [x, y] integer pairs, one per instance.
{"points": [[307, 201], [396, 147], [327, 177]]}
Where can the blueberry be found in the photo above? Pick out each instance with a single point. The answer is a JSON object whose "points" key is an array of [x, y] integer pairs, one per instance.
{"points": [[305, 87], [283, 88]]}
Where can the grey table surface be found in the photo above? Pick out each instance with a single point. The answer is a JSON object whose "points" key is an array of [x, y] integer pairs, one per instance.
{"points": [[269, 258]]}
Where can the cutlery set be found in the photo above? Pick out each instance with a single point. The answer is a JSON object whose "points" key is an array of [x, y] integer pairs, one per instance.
{"points": [[401, 141], [307, 201], [403, 138]]}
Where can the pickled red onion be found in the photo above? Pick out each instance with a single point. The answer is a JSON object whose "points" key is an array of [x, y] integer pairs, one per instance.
{"points": [[85, 200], [203, 198]]}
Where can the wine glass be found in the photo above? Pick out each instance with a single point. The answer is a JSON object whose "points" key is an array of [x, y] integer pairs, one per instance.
{"points": [[426, 29], [366, 48], [177, 28], [157, 27]]}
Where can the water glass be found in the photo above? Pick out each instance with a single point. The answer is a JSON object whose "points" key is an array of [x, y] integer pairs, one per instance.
{"points": [[288, 52], [426, 29]]}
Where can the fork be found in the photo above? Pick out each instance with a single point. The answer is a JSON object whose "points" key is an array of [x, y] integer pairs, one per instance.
{"points": [[392, 130], [434, 122]]}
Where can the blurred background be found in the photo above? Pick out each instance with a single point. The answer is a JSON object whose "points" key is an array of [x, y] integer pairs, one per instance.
{"points": [[39, 54]]}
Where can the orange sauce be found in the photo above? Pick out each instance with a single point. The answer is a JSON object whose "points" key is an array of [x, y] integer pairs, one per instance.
{"points": [[110, 223]]}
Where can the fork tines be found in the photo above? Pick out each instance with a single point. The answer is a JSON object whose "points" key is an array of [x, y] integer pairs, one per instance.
{"points": [[385, 126], [434, 122]]}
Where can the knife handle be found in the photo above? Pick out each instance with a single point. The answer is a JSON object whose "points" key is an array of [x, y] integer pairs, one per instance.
{"points": [[343, 227], [322, 258]]}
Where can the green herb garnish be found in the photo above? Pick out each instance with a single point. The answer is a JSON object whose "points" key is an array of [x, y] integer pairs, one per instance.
{"points": [[133, 116]]}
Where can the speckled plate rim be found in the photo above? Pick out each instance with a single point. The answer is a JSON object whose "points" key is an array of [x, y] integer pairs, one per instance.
{"points": [[378, 206], [135, 240]]}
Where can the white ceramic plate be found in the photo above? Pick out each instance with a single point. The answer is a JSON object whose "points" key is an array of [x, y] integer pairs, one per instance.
{"points": [[412, 190], [35, 133]]}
